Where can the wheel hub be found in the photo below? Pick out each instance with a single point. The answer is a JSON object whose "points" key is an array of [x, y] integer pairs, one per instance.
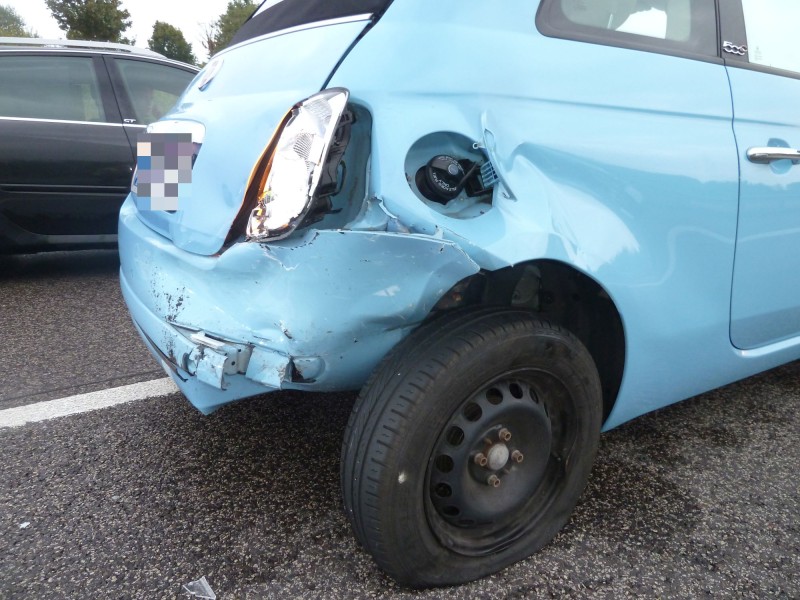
{"points": [[498, 456], [490, 457]]}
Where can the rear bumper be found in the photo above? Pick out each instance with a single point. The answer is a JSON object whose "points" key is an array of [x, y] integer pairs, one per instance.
{"points": [[316, 312]]}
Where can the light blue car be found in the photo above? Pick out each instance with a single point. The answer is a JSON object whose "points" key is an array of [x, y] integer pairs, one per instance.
{"points": [[510, 224]]}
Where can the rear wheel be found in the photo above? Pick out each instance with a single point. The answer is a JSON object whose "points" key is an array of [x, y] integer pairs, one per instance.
{"points": [[470, 445]]}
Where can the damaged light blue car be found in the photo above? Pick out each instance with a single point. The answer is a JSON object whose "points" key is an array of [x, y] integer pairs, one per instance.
{"points": [[511, 225]]}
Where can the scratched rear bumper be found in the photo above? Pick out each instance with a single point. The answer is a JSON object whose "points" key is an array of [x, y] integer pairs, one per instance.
{"points": [[316, 312]]}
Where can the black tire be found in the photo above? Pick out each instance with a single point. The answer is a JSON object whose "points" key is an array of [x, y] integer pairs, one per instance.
{"points": [[413, 488]]}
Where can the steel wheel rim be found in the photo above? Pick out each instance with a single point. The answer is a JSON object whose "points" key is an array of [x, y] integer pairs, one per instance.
{"points": [[468, 513]]}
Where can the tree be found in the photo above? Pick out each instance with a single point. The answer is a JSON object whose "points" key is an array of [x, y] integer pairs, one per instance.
{"points": [[221, 32], [12, 25], [169, 41], [209, 33], [98, 20]]}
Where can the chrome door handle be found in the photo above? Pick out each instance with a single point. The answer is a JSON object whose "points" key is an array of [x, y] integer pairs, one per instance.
{"points": [[767, 154]]}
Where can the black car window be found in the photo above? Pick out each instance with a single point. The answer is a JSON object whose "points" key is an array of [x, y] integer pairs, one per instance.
{"points": [[50, 87], [152, 88], [772, 33], [671, 26]]}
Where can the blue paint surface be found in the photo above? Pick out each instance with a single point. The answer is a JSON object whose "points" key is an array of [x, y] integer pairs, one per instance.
{"points": [[620, 164]]}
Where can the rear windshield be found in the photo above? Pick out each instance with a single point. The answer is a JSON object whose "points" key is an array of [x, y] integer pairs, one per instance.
{"points": [[276, 15]]}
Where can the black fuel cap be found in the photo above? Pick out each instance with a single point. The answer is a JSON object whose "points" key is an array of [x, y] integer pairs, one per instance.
{"points": [[444, 176]]}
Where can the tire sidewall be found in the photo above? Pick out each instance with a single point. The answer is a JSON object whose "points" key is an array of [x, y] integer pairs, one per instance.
{"points": [[522, 347]]}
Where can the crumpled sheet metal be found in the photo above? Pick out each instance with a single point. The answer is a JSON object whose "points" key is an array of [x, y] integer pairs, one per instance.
{"points": [[334, 300]]}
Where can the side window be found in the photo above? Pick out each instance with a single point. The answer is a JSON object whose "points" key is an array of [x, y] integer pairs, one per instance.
{"points": [[152, 88], [50, 87], [681, 26], [772, 33]]}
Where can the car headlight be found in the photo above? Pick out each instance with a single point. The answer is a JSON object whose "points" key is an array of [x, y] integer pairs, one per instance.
{"points": [[285, 180]]}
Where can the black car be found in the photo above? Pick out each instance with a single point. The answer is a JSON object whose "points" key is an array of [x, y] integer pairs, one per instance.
{"points": [[70, 113]]}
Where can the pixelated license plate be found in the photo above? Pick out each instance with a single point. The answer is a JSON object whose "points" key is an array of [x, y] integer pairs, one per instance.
{"points": [[163, 170]]}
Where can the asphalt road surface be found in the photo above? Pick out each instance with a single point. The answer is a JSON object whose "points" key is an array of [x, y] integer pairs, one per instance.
{"points": [[133, 501]]}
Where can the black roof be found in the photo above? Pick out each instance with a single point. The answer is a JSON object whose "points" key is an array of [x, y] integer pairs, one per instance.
{"points": [[291, 13]]}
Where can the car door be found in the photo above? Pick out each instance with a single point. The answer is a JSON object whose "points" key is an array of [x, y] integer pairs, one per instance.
{"points": [[65, 163], [763, 61]]}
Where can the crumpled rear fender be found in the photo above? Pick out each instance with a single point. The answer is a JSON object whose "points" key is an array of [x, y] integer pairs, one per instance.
{"points": [[317, 312]]}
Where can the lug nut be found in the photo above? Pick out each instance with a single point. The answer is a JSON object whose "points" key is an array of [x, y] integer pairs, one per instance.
{"points": [[516, 456], [480, 459], [493, 480], [504, 434]]}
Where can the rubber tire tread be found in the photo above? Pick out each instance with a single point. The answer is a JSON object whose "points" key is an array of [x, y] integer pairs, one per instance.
{"points": [[425, 354], [367, 410]]}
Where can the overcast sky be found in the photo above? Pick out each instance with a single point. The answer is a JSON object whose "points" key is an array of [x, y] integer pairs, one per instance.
{"points": [[190, 16]]}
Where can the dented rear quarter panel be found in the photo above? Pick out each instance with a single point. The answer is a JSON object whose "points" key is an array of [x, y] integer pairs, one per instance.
{"points": [[619, 163]]}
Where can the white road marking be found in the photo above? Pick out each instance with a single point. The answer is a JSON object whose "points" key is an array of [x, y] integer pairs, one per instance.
{"points": [[71, 405]]}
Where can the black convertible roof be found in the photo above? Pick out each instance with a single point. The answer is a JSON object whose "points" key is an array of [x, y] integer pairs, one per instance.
{"points": [[292, 13]]}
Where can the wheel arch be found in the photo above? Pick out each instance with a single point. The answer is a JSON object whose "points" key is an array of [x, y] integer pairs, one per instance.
{"points": [[562, 294]]}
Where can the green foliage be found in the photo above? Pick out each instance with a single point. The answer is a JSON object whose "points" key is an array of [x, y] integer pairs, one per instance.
{"points": [[221, 32], [169, 41], [97, 20], [12, 25]]}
